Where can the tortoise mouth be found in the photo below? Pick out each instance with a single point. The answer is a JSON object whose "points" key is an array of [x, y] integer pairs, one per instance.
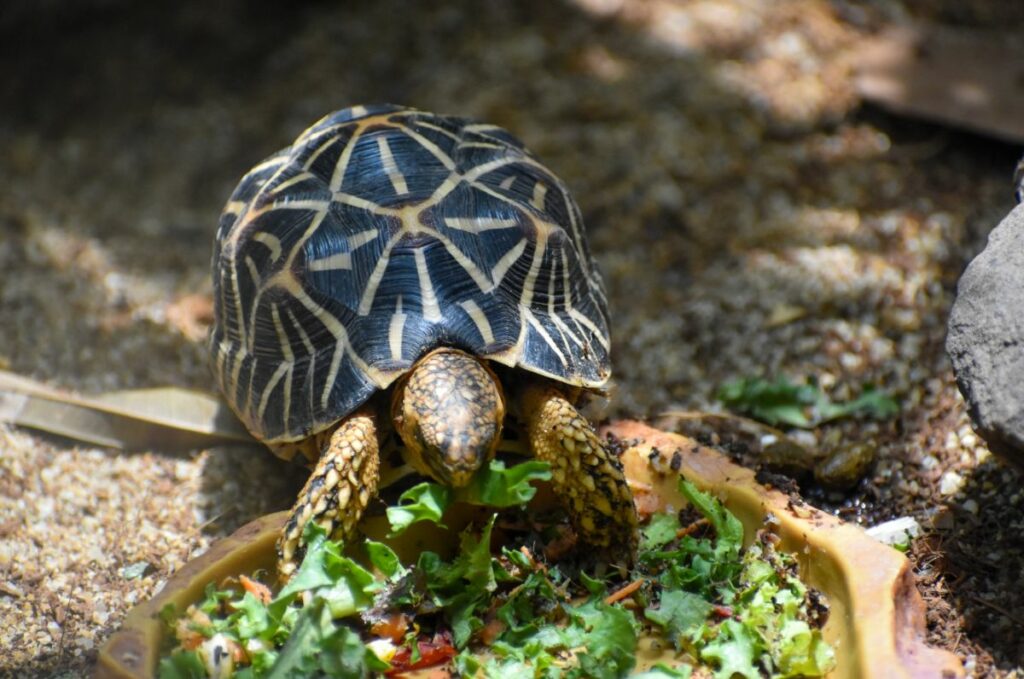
{"points": [[453, 458], [454, 475]]}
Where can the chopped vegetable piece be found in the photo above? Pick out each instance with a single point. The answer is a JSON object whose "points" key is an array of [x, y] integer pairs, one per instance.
{"points": [[436, 651], [256, 588], [624, 592], [423, 502]]}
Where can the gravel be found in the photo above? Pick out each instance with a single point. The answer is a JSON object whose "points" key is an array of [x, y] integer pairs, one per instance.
{"points": [[749, 218]]}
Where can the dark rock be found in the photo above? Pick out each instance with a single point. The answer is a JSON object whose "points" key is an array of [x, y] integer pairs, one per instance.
{"points": [[986, 338]]}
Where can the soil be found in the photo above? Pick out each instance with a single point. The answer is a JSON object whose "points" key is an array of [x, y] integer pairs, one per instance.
{"points": [[751, 216]]}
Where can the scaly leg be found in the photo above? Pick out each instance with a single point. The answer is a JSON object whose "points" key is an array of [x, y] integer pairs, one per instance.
{"points": [[338, 490], [587, 478]]}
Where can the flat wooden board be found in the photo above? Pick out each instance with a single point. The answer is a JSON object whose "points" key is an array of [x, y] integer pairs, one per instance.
{"points": [[967, 78]]}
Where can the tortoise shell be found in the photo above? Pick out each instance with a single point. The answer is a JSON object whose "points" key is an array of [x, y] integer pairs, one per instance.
{"points": [[382, 233]]}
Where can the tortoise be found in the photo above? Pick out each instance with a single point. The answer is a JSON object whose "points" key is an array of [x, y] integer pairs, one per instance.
{"points": [[394, 267]]}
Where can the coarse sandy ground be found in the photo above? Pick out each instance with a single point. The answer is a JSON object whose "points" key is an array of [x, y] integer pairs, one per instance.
{"points": [[750, 217]]}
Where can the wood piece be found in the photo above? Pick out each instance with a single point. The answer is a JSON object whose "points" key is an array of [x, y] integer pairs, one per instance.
{"points": [[968, 78]]}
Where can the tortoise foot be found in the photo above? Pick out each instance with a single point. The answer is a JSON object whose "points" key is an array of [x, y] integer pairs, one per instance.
{"points": [[338, 490], [587, 478]]}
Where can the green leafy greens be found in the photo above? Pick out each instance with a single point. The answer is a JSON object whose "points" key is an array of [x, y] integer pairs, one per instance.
{"points": [[800, 405], [764, 630], [742, 612], [494, 486]]}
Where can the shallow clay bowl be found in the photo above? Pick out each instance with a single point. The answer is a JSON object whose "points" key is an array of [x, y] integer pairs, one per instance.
{"points": [[876, 621]]}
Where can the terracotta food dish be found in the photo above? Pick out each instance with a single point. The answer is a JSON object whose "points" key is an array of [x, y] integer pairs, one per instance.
{"points": [[876, 620]]}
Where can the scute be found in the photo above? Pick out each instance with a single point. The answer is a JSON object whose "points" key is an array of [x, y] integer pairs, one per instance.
{"points": [[380, 234]]}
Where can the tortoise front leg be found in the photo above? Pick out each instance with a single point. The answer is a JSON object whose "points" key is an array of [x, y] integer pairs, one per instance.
{"points": [[586, 476], [337, 492]]}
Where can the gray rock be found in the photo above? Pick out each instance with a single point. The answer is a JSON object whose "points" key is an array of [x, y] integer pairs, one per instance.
{"points": [[986, 338]]}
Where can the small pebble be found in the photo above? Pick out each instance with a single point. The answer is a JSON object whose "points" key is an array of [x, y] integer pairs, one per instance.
{"points": [[897, 531], [950, 483]]}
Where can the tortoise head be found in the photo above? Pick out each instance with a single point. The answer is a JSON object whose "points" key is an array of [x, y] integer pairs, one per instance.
{"points": [[449, 412]]}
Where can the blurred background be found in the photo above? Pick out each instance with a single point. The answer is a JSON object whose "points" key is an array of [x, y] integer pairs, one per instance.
{"points": [[766, 191]]}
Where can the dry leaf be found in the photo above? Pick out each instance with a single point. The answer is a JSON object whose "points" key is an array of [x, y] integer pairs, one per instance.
{"points": [[166, 418]]}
